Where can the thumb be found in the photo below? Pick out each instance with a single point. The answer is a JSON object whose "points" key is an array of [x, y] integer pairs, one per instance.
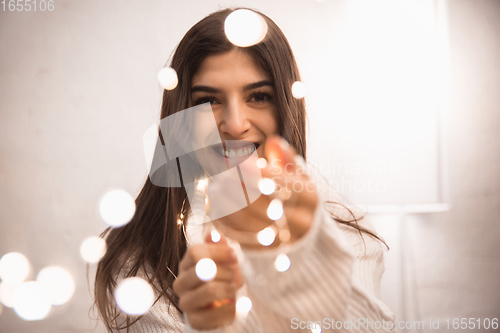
{"points": [[280, 154], [212, 238]]}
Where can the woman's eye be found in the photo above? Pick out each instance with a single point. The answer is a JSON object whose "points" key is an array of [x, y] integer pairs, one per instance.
{"points": [[261, 97], [206, 99]]}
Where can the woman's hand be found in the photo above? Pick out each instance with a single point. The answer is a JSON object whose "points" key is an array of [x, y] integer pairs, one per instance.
{"points": [[293, 187], [208, 304]]}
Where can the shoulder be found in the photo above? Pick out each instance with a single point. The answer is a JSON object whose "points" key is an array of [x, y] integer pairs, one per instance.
{"points": [[161, 317]]}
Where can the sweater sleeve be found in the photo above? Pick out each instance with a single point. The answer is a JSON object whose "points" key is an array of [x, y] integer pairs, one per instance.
{"points": [[333, 283], [334, 277]]}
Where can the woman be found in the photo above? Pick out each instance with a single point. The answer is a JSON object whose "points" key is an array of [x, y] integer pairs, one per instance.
{"points": [[335, 271]]}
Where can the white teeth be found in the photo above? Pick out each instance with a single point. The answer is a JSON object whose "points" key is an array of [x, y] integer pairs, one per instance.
{"points": [[239, 152]]}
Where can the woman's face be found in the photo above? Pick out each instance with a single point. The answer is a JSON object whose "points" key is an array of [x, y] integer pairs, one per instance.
{"points": [[242, 96]]}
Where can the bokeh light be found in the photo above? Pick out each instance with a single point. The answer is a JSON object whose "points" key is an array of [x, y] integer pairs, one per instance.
{"points": [[275, 209], [117, 208], [93, 249], [245, 28], [14, 267], [214, 234], [316, 328], [266, 186], [58, 282], [32, 301], [282, 262], [299, 90], [261, 163], [167, 76], [206, 269], [7, 291], [243, 306], [202, 185], [134, 296], [266, 236]]}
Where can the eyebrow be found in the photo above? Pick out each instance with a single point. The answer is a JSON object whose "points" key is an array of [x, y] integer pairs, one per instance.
{"points": [[255, 85]]}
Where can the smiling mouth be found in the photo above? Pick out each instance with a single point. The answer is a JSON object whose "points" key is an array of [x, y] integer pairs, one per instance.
{"points": [[242, 151]]}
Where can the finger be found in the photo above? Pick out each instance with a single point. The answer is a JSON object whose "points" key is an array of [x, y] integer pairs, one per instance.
{"points": [[203, 296], [219, 253], [299, 220], [219, 303], [280, 154], [216, 317], [250, 218], [285, 167], [189, 280]]}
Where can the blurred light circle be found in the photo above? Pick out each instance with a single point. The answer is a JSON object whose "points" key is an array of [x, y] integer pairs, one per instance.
{"points": [[266, 236], [275, 209], [299, 90], [243, 306], [7, 291], [206, 269], [316, 328], [261, 163], [202, 185], [267, 186], [282, 263], [14, 267], [93, 249], [245, 28], [32, 301], [117, 208], [58, 282], [214, 234], [134, 296], [168, 78]]}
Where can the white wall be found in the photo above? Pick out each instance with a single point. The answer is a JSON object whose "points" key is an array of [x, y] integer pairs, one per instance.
{"points": [[78, 89], [453, 258]]}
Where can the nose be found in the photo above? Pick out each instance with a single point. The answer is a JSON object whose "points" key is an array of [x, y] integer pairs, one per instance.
{"points": [[234, 122]]}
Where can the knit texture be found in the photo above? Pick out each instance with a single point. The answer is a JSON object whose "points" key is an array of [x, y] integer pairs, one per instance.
{"points": [[333, 280]]}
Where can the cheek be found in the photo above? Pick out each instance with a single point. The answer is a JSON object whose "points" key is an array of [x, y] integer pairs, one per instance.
{"points": [[269, 124]]}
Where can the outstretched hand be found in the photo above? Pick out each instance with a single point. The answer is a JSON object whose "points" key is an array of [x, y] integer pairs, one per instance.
{"points": [[294, 189], [209, 304]]}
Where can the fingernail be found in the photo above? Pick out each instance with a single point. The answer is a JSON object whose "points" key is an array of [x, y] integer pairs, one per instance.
{"points": [[232, 255], [299, 160]]}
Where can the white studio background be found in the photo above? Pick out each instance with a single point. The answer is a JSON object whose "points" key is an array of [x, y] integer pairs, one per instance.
{"points": [[79, 88]]}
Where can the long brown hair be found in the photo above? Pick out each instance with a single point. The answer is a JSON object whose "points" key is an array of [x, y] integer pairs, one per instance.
{"points": [[153, 239]]}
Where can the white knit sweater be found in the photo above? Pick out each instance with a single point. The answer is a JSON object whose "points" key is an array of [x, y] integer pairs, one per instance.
{"points": [[333, 282]]}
